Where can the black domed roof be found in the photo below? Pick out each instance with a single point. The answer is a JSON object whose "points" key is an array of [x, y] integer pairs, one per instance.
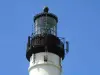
{"points": [[46, 13]]}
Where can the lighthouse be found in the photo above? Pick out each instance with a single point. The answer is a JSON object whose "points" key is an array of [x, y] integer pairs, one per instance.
{"points": [[45, 50]]}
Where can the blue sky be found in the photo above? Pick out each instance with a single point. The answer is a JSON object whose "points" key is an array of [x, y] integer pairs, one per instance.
{"points": [[79, 23]]}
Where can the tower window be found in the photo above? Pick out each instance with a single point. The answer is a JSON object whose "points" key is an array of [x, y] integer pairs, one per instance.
{"points": [[45, 58], [34, 58]]}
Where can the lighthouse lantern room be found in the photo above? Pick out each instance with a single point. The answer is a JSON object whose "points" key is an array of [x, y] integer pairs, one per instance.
{"points": [[45, 51]]}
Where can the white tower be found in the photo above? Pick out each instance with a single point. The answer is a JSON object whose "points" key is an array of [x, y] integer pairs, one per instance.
{"points": [[45, 51]]}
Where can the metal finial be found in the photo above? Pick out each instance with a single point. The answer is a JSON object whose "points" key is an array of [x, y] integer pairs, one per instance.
{"points": [[46, 9]]}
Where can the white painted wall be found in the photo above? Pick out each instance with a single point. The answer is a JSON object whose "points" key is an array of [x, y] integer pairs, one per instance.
{"points": [[39, 67]]}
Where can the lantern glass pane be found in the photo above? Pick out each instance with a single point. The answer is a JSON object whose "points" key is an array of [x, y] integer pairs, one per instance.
{"points": [[45, 25]]}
